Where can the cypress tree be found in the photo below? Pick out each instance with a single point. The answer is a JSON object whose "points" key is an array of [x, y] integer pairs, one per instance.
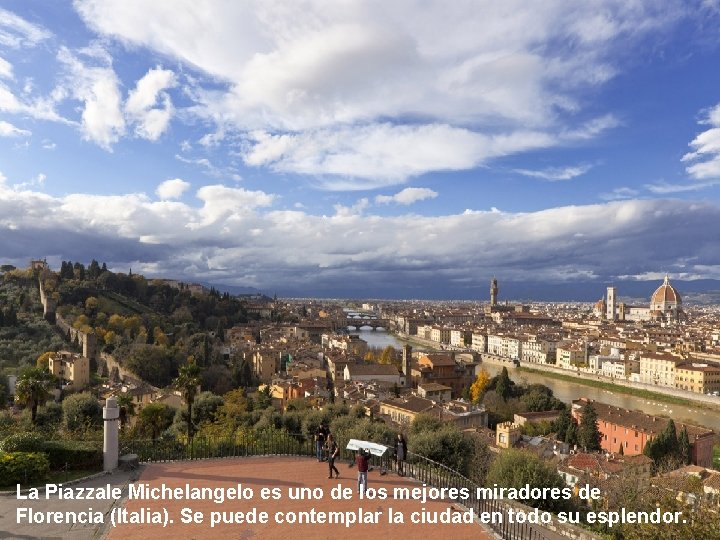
{"points": [[684, 447], [589, 436]]}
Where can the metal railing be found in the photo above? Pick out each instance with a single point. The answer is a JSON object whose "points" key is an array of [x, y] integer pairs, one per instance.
{"points": [[280, 443]]}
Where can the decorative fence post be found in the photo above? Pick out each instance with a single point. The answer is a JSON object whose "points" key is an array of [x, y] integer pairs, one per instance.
{"points": [[111, 415]]}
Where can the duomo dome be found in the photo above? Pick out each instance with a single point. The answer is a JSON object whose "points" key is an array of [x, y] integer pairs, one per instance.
{"points": [[665, 297]]}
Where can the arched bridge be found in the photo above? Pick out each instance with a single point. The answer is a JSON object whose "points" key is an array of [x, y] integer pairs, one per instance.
{"points": [[359, 322]]}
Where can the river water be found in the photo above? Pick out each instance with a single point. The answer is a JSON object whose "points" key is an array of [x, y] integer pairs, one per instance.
{"points": [[568, 391]]}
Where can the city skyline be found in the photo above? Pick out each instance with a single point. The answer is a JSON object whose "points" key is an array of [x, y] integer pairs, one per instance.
{"points": [[411, 150]]}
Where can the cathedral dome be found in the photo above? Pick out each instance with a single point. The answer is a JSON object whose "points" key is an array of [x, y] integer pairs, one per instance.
{"points": [[666, 296]]}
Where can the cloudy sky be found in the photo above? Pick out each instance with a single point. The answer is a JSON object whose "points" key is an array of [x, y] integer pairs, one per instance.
{"points": [[366, 148]]}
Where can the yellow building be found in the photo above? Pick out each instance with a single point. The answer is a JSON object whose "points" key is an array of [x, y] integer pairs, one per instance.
{"points": [[507, 435], [72, 369], [702, 378]]}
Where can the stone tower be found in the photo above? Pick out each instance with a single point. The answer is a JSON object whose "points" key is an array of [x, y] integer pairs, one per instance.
{"points": [[611, 304], [406, 361], [493, 292]]}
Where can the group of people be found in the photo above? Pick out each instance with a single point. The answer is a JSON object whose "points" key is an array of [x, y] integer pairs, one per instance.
{"points": [[327, 449]]}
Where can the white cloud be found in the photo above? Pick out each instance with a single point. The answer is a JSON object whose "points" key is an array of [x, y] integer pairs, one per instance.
{"points": [[664, 188], [407, 196], [620, 194], [383, 154], [17, 33], [151, 121], [309, 80], [6, 69], [555, 173], [235, 236], [97, 87], [705, 156], [8, 130], [172, 189]]}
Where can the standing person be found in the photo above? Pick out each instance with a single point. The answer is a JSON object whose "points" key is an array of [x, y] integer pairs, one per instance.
{"points": [[320, 436], [400, 454], [362, 459], [332, 452]]}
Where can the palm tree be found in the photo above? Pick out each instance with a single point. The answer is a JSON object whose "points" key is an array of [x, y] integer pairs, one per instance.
{"points": [[188, 381], [127, 408], [33, 389]]}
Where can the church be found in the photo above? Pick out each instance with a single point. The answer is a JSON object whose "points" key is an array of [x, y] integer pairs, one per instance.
{"points": [[665, 306]]}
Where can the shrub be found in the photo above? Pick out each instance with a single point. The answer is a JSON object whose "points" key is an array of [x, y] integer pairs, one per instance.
{"points": [[23, 467], [22, 442], [74, 454], [81, 411]]}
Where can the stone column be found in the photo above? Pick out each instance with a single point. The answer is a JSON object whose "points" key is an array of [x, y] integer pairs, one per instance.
{"points": [[111, 415]]}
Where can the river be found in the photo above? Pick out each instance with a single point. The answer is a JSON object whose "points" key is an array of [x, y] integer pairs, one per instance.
{"points": [[568, 391]]}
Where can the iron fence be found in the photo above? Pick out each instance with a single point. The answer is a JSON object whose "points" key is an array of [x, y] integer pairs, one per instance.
{"points": [[281, 443]]}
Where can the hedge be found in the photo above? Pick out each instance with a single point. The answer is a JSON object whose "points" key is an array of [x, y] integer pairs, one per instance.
{"points": [[74, 454], [22, 442], [23, 467]]}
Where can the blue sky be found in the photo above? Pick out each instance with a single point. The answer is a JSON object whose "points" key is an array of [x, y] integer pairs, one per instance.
{"points": [[379, 149]]}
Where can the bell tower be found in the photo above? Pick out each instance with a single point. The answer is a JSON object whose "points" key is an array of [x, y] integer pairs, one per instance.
{"points": [[493, 292]]}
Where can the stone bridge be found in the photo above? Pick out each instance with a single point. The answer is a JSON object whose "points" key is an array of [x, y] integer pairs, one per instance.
{"points": [[358, 322]]}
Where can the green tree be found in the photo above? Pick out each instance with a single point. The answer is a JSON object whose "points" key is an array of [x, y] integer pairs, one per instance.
{"points": [[425, 422], [502, 384], [684, 447], [154, 419], [589, 436], [4, 393], [517, 468], [127, 408], [263, 398], [188, 382], [448, 446], [561, 425], [81, 411], [33, 389]]}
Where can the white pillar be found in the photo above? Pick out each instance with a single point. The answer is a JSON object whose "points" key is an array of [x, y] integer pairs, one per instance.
{"points": [[111, 415]]}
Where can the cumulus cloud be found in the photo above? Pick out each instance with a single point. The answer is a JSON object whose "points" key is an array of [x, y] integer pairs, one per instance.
{"points": [[141, 105], [554, 174], [304, 83], [172, 189], [407, 196], [235, 236], [8, 130], [97, 87], [705, 156]]}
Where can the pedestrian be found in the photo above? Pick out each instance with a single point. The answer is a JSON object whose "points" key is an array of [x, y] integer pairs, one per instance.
{"points": [[320, 436], [362, 459], [400, 454], [332, 452]]}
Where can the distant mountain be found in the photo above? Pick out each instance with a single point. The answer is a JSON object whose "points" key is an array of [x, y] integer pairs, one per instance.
{"points": [[231, 289], [703, 291]]}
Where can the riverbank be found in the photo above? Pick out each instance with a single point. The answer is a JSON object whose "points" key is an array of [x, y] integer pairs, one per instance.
{"points": [[631, 389]]}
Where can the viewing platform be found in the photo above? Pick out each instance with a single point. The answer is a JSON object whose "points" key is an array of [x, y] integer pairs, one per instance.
{"points": [[285, 473]]}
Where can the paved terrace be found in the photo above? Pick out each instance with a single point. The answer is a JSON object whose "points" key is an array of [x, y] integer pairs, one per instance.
{"points": [[252, 472], [284, 472]]}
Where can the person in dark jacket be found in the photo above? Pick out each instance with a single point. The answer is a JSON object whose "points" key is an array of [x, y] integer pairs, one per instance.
{"points": [[320, 435], [400, 454], [362, 459], [332, 450]]}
